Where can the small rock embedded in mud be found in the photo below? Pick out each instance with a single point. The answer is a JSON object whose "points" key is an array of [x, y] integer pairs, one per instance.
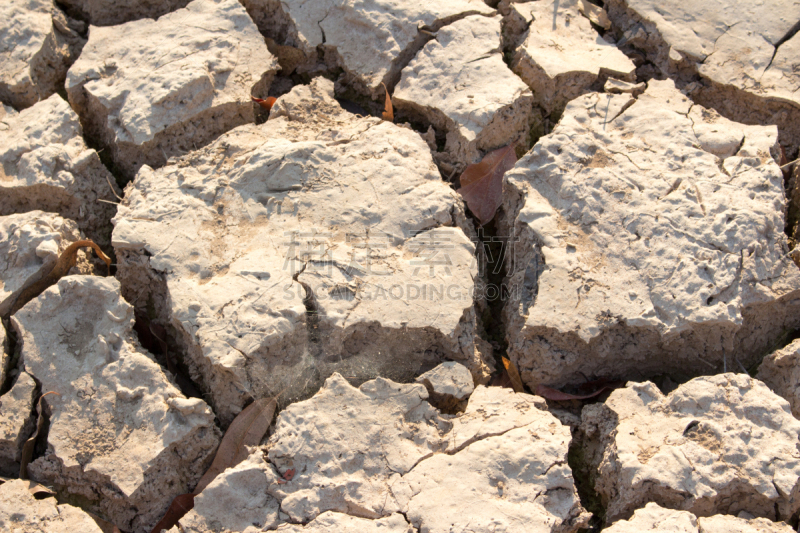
{"points": [[449, 385], [716, 445], [115, 440]]}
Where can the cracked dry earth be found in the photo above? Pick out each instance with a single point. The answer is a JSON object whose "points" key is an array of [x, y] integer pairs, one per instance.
{"points": [[315, 253]]}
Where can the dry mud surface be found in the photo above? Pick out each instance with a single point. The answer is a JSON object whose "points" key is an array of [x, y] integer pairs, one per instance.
{"points": [[617, 349]]}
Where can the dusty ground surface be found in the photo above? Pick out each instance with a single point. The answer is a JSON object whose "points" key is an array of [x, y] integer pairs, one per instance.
{"points": [[613, 347]]}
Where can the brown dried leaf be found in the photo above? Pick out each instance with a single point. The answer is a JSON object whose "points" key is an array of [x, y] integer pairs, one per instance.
{"points": [[513, 375], [30, 444], [388, 110], [180, 505], [247, 429], [265, 103], [37, 284], [557, 395], [482, 183]]}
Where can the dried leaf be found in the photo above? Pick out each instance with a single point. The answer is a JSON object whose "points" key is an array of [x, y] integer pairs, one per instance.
{"points": [[482, 183], [513, 374], [247, 429], [30, 444], [289, 474], [266, 103], [180, 505], [34, 488], [36, 285], [596, 14], [501, 379], [388, 110], [557, 395]]}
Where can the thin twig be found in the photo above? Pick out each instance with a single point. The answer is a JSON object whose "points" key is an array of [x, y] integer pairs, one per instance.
{"points": [[112, 189]]}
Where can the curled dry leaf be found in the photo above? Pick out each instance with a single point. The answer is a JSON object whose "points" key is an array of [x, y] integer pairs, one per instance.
{"points": [[266, 103], [36, 284], [482, 183], [513, 375], [388, 110], [557, 395], [34, 488], [30, 444]]}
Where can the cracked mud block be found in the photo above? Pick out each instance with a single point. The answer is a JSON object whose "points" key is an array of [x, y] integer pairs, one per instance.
{"points": [[16, 422], [740, 59], [716, 445], [493, 411], [318, 241], [30, 243], [37, 46], [21, 512], [562, 56], [449, 385], [459, 83], [654, 518], [112, 12], [349, 445], [780, 370], [122, 439], [381, 449], [727, 524], [330, 522], [371, 40], [149, 90], [647, 237], [517, 482], [47, 166], [237, 500]]}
